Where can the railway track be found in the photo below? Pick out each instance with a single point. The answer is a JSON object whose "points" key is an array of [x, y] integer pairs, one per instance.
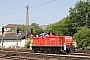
{"points": [[30, 55]]}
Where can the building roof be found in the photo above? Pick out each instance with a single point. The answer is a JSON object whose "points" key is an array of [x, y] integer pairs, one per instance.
{"points": [[13, 36], [11, 25]]}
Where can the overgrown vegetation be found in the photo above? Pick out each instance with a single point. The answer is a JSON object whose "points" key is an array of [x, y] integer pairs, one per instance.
{"points": [[27, 45]]}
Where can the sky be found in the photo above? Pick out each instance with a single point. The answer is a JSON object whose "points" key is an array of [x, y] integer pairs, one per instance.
{"points": [[14, 11]]}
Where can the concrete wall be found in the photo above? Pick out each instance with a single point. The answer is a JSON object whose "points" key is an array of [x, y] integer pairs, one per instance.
{"points": [[13, 43]]}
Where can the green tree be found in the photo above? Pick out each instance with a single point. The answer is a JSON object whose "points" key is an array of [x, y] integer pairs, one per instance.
{"points": [[79, 15], [36, 28], [82, 37], [62, 27], [12, 30], [27, 45], [22, 28], [79, 12]]}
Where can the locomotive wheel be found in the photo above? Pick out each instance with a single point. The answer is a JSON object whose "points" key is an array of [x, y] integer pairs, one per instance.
{"points": [[45, 51], [35, 51], [67, 51], [42, 51], [49, 50]]}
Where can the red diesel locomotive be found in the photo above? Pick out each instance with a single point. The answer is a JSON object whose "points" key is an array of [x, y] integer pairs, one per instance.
{"points": [[53, 44]]}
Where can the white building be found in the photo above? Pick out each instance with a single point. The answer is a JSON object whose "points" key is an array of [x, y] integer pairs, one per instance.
{"points": [[10, 40]]}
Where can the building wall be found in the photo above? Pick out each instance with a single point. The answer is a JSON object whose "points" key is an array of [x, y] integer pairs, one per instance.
{"points": [[23, 43], [7, 29], [12, 43], [0, 32]]}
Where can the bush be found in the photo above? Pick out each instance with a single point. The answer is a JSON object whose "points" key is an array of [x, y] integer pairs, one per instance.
{"points": [[27, 45]]}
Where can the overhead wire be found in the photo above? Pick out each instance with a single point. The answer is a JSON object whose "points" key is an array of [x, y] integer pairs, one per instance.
{"points": [[11, 9], [43, 3], [25, 7], [39, 16], [12, 13], [49, 14], [30, 7]]}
